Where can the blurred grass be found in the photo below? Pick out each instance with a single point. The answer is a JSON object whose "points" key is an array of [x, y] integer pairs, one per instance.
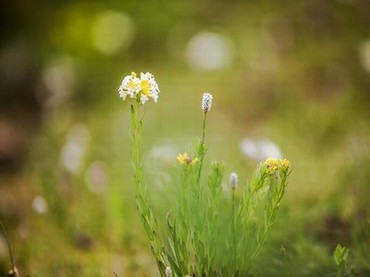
{"points": [[296, 78]]}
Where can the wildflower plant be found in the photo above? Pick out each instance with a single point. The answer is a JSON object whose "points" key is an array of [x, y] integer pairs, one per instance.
{"points": [[207, 234], [340, 256]]}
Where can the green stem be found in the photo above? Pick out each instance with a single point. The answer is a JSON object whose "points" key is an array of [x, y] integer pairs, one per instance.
{"points": [[142, 203], [136, 135], [202, 148], [8, 244], [204, 127], [233, 230]]}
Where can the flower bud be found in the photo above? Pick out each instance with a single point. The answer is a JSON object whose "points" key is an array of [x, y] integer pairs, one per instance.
{"points": [[168, 272], [233, 180]]}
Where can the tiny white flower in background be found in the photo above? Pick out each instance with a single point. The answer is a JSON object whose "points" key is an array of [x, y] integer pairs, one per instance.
{"points": [[168, 272], [74, 150], [39, 205], [141, 88], [96, 177], [206, 102], [161, 156], [261, 149], [210, 51], [233, 180]]}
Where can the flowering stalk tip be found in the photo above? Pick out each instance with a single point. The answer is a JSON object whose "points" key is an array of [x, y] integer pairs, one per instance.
{"points": [[285, 165], [186, 159], [168, 272], [207, 102], [233, 180], [272, 165], [140, 89]]}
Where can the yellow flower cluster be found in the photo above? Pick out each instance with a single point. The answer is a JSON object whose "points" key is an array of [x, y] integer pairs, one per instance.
{"points": [[285, 164], [186, 159], [272, 165]]}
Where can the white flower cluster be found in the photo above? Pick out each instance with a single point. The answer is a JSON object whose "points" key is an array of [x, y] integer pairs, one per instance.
{"points": [[141, 88], [206, 102]]}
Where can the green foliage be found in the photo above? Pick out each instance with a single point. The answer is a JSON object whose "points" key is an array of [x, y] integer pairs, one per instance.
{"points": [[340, 256], [208, 233], [300, 76]]}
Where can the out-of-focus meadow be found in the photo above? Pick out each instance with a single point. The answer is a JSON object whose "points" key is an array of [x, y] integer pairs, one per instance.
{"points": [[288, 79]]}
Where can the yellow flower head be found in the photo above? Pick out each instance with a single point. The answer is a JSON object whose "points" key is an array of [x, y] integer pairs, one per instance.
{"points": [[141, 88], [186, 159], [285, 165], [271, 165]]}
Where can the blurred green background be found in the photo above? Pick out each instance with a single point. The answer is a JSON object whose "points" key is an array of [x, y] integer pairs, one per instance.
{"points": [[288, 79]]}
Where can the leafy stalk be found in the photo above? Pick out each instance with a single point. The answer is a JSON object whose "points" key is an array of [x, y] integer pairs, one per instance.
{"points": [[142, 203]]}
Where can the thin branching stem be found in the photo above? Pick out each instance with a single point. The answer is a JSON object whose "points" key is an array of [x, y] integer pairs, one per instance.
{"points": [[8, 245]]}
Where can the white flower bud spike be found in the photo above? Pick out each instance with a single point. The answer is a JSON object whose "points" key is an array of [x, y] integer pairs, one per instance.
{"points": [[206, 102], [233, 180], [168, 272]]}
